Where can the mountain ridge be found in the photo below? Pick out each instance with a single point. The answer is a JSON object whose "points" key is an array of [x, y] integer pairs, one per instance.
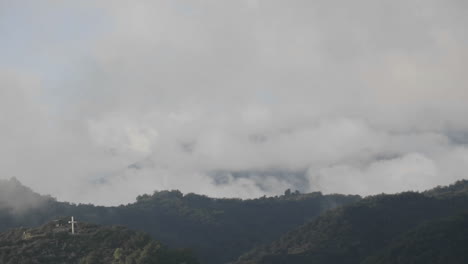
{"points": [[354, 232], [219, 230]]}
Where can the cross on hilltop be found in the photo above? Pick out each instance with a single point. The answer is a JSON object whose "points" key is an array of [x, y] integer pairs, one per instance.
{"points": [[72, 222]]}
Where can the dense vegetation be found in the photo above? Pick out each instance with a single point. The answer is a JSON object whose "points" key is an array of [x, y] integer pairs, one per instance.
{"points": [[218, 230], [439, 242], [380, 229], [428, 227], [91, 244]]}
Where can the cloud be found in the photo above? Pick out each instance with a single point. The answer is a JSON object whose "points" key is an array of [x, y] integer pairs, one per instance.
{"points": [[361, 97], [414, 171]]}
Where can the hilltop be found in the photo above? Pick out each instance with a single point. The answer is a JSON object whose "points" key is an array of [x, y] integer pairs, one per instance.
{"points": [[91, 244]]}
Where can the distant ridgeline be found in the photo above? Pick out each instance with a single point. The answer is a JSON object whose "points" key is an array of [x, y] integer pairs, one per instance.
{"points": [[218, 230], [91, 244], [429, 227]]}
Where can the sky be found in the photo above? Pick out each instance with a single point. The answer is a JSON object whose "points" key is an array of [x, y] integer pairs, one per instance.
{"points": [[101, 101]]}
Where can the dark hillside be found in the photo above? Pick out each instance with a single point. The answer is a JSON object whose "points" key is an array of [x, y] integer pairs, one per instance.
{"points": [[439, 242], [91, 244], [219, 230], [352, 233]]}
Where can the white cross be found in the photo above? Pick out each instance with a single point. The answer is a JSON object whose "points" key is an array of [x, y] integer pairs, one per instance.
{"points": [[72, 222]]}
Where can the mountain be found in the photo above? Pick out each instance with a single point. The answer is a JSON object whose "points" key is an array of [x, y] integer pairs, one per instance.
{"points": [[218, 230], [91, 244], [378, 229]]}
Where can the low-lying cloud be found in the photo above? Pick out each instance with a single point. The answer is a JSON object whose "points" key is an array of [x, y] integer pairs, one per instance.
{"points": [[238, 98]]}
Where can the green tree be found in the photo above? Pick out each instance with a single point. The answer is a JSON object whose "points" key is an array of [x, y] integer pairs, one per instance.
{"points": [[118, 256]]}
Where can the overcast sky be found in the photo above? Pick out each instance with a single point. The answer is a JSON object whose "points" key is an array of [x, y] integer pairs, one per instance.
{"points": [[101, 101]]}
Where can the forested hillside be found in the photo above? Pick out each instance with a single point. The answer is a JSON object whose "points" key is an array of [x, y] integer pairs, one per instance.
{"points": [[91, 244], [379, 229], [218, 230], [438, 242]]}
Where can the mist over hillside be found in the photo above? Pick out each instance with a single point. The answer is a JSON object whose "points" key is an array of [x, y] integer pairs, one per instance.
{"points": [[218, 230], [249, 131], [292, 228], [18, 198]]}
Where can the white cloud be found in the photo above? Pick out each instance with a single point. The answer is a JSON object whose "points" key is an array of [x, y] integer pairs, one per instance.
{"points": [[366, 96], [413, 170]]}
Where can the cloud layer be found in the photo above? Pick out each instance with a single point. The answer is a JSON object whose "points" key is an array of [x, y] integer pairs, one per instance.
{"points": [[105, 100]]}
